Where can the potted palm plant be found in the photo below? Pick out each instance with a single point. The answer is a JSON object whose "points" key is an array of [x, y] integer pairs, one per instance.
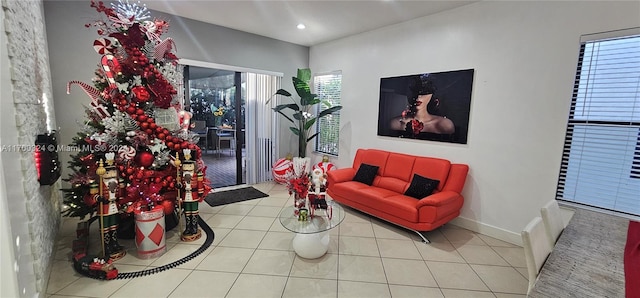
{"points": [[303, 117]]}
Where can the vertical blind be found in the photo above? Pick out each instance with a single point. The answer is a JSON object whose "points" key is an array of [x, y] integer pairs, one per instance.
{"points": [[601, 157], [328, 87], [260, 126]]}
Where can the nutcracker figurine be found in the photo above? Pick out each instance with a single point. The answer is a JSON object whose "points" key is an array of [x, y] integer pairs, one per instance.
{"points": [[107, 193], [191, 184]]}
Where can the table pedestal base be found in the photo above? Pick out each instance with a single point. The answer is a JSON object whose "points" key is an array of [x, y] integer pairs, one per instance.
{"points": [[311, 246]]}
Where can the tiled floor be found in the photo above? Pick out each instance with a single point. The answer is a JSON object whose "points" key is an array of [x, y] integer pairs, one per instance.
{"points": [[252, 256]]}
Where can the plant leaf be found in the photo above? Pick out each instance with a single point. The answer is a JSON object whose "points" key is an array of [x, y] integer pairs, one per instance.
{"points": [[284, 115], [329, 111], [295, 130], [304, 74], [309, 123], [292, 106], [283, 92], [302, 87], [313, 136]]}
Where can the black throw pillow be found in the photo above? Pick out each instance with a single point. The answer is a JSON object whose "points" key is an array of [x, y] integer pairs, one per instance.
{"points": [[421, 187], [366, 173]]}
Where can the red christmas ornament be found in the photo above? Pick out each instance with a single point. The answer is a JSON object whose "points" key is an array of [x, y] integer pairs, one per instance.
{"points": [[144, 159], [168, 206]]}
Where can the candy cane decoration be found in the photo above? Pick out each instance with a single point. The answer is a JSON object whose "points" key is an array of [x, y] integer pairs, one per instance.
{"points": [[110, 64], [94, 94], [90, 90], [163, 48]]}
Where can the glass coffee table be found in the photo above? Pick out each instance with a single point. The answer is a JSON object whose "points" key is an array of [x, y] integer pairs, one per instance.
{"points": [[312, 236]]}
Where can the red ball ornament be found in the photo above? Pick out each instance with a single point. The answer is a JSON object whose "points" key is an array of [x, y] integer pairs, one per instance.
{"points": [[152, 124], [144, 159], [168, 206], [162, 136], [142, 118], [140, 111], [131, 110], [170, 144], [149, 131], [177, 147]]}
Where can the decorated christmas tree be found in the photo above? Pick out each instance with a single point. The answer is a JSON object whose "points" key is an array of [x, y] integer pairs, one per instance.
{"points": [[134, 115]]}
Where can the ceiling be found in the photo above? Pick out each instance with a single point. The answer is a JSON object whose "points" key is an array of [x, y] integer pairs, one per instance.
{"points": [[325, 20]]}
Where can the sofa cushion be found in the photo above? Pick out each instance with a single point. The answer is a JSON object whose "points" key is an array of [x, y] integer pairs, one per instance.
{"points": [[421, 187], [399, 166], [372, 157], [434, 168], [391, 183], [366, 173]]}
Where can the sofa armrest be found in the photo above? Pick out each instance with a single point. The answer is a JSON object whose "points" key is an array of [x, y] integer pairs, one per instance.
{"points": [[438, 199], [340, 175]]}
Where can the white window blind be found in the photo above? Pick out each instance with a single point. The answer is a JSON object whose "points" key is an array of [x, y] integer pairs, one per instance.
{"points": [[601, 157], [328, 87]]}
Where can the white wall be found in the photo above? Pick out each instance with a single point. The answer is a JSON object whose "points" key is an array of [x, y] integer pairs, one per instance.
{"points": [[31, 212], [73, 57], [524, 55]]}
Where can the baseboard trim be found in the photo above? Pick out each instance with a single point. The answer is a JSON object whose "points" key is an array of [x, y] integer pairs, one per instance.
{"points": [[489, 230]]}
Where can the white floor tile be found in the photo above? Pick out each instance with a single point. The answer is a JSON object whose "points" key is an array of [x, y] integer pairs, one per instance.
{"points": [[325, 267], [270, 262], [502, 279], [358, 268], [399, 291], [456, 276], [252, 285], [408, 273], [402, 249], [362, 289], [310, 287], [227, 259], [205, 284], [155, 285]]}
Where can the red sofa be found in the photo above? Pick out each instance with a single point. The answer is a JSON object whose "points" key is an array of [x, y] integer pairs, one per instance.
{"points": [[385, 198]]}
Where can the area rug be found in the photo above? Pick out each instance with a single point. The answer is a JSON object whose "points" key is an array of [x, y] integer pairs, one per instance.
{"points": [[632, 260], [234, 196]]}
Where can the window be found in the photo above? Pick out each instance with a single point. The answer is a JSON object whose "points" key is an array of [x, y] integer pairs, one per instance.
{"points": [[601, 157], [328, 87]]}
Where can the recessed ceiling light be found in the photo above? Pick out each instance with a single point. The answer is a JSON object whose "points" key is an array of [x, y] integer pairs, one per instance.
{"points": [[301, 26]]}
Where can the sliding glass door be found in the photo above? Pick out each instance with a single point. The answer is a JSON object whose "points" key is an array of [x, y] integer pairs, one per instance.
{"points": [[236, 146]]}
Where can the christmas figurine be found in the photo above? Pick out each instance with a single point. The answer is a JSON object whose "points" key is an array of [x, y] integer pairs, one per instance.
{"points": [[108, 192], [318, 189], [191, 184]]}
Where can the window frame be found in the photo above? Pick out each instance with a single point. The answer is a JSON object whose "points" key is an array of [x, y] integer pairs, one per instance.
{"points": [[320, 107], [591, 123]]}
